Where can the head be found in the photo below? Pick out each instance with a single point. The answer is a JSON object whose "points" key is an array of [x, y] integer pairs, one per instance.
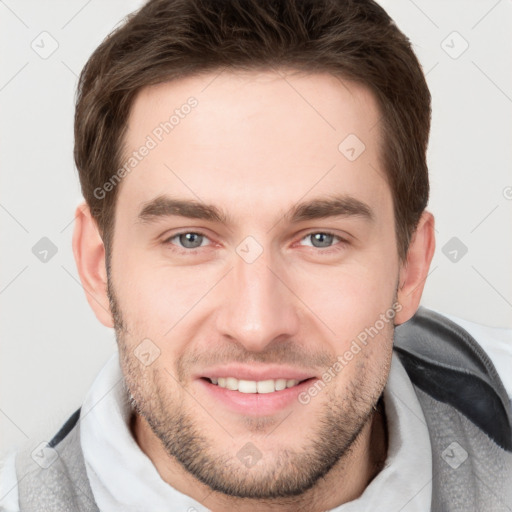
{"points": [[255, 182]]}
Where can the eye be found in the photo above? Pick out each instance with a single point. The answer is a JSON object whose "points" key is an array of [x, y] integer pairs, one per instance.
{"points": [[188, 240], [321, 239]]}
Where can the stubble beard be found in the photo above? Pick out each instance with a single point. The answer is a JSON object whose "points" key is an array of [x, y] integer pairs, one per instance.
{"points": [[288, 473]]}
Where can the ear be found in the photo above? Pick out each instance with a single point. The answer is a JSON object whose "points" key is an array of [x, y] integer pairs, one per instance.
{"points": [[89, 254], [414, 271]]}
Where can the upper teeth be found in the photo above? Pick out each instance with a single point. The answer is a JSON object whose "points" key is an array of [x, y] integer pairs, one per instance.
{"points": [[253, 386]]}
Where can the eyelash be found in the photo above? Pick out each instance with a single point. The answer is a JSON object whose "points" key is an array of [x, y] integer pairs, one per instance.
{"points": [[342, 243], [183, 250], [339, 246]]}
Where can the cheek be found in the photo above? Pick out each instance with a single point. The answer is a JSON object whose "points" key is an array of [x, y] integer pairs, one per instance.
{"points": [[351, 297], [165, 303]]}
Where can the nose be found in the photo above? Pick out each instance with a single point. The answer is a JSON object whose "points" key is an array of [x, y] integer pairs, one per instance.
{"points": [[257, 306]]}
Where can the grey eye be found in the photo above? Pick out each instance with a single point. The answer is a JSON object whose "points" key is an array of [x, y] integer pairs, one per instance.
{"points": [[191, 240], [321, 239]]}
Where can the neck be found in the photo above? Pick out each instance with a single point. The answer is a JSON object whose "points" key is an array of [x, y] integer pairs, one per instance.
{"points": [[345, 482]]}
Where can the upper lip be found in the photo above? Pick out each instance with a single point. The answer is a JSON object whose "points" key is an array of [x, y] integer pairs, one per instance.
{"points": [[256, 373]]}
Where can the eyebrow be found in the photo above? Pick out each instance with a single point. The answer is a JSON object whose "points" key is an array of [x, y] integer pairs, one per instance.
{"points": [[347, 206], [165, 206]]}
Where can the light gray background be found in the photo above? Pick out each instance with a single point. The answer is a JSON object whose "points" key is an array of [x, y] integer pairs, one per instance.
{"points": [[52, 346]]}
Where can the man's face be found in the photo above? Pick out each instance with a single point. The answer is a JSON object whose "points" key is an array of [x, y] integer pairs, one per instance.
{"points": [[270, 288]]}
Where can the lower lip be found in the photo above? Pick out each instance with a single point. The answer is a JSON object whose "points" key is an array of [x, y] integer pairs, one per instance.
{"points": [[256, 404]]}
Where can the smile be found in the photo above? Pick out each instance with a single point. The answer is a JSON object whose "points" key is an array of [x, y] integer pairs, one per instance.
{"points": [[253, 386], [253, 397]]}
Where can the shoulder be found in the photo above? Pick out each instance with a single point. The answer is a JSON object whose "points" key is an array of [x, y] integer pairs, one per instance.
{"points": [[10, 465], [445, 361], [497, 343]]}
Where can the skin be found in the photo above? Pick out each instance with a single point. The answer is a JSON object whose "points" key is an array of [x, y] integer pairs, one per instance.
{"points": [[254, 148]]}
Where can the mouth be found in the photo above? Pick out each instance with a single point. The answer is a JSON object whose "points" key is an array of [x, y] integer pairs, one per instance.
{"points": [[253, 397], [254, 386]]}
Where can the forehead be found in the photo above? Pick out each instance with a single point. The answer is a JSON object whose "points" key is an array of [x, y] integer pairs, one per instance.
{"points": [[253, 140]]}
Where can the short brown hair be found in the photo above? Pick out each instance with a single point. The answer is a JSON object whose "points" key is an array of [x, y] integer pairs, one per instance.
{"points": [[171, 39]]}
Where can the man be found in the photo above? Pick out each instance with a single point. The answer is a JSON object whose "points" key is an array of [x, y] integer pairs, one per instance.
{"points": [[254, 228]]}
